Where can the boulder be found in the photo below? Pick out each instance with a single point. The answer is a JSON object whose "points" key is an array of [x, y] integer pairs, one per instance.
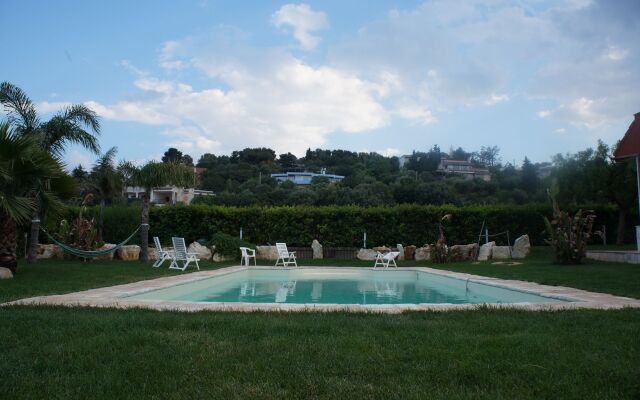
{"points": [[401, 250], [409, 252], [5, 273], [267, 252], [217, 257], [366, 254], [108, 256], [423, 253], [46, 251], [128, 253], [521, 247], [152, 255], [485, 251], [317, 249], [501, 253], [381, 249], [463, 252], [203, 252]]}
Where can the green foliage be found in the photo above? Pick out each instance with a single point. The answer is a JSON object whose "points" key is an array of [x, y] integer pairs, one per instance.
{"points": [[228, 245], [344, 225], [569, 235]]}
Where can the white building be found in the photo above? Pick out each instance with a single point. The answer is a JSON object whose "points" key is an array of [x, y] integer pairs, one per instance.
{"points": [[464, 168], [168, 194], [305, 178]]}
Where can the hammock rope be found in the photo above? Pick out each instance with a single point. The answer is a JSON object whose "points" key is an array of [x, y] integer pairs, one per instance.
{"points": [[89, 253]]}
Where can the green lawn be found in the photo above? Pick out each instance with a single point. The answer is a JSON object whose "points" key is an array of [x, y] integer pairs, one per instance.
{"points": [[56, 352], [487, 354]]}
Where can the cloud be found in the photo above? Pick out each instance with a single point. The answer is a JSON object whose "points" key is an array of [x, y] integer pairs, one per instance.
{"points": [[284, 104], [303, 20]]}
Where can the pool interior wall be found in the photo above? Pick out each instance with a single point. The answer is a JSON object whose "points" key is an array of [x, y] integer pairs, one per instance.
{"points": [[341, 286]]}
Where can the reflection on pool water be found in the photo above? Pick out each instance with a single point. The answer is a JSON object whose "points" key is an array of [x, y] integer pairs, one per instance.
{"points": [[341, 286]]}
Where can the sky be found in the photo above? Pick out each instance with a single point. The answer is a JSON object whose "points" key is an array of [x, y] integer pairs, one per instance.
{"points": [[533, 77]]}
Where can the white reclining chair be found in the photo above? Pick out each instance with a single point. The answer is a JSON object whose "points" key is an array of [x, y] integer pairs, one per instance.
{"points": [[163, 255], [247, 254], [386, 259], [287, 257], [180, 254]]}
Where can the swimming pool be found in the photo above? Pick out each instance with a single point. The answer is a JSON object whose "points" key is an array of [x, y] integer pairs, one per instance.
{"points": [[341, 286]]}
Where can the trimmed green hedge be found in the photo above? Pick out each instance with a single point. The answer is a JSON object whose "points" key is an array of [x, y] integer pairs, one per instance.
{"points": [[341, 225], [344, 225]]}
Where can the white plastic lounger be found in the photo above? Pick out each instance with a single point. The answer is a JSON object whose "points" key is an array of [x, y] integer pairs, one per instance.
{"points": [[287, 257], [180, 254], [386, 259], [163, 255], [247, 254]]}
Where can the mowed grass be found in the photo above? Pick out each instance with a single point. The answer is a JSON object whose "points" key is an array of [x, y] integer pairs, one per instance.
{"points": [[64, 276], [63, 353]]}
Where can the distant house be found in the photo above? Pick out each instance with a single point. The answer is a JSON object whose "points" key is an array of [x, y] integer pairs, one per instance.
{"points": [[464, 168], [305, 178], [544, 170], [403, 160], [168, 194]]}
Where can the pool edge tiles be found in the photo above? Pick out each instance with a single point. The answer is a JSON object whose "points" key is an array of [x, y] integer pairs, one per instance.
{"points": [[116, 296]]}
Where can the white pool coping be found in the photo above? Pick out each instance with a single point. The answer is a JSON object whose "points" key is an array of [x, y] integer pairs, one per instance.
{"points": [[117, 296]]}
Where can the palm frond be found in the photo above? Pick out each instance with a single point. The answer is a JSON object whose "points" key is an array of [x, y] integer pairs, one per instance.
{"points": [[21, 111]]}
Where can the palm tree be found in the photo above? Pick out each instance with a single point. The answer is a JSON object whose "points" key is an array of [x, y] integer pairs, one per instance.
{"points": [[151, 175], [29, 177], [75, 124], [106, 182]]}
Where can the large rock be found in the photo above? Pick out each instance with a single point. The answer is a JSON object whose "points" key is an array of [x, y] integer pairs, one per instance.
{"points": [[366, 254], [108, 256], [46, 251], [128, 253], [423, 253], [152, 254], [409, 252], [381, 249], [501, 253], [203, 252], [401, 250], [5, 273], [521, 247], [485, 251], [267, 252], [217, 257], [463, 252], [317, 249]]}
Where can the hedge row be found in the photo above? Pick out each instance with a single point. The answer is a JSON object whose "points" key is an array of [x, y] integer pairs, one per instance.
{"points": [[341, 225]]}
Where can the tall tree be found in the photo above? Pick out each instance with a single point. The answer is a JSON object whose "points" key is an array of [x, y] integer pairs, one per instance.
{"points": [[529, 177], [29, 177], [172, 155], [74, 124], [106, 184], [151, 175]]}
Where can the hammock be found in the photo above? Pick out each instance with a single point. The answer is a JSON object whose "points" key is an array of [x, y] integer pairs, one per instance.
{"points": [[89, 253]]}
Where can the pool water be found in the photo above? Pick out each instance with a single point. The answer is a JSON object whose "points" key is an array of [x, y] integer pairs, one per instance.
{"points": [[341, 286]]}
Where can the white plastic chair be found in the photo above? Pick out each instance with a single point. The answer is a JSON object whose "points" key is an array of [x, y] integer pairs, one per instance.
{"points": [[247, 254], [287, 257], [386, 259], [180, 254], [163, 255]]}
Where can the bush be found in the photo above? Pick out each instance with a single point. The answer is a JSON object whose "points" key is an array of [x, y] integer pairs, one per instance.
{"points": [[228, 245], [569, 235]]}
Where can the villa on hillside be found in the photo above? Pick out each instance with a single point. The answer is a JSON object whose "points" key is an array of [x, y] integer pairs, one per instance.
{"points": [[464, 168], [305, 178], [168, 194]]}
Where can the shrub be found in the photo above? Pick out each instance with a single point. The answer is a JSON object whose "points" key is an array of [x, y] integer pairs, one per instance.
{"points": [[569, 235], [228, 245]]}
